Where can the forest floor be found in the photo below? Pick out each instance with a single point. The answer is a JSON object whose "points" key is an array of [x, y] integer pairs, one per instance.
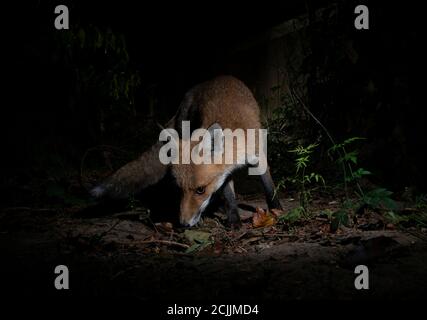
{"points": [[126, 254]]}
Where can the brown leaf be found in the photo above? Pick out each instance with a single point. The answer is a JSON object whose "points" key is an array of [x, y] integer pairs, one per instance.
{"points": [[390, 226], [164, 226], [262, 218]]}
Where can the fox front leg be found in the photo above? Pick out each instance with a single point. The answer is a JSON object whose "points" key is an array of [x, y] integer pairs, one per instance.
{"points": [[268, 184], [230, 206]]}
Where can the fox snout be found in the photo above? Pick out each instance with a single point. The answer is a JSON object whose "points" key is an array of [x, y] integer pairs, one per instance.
{"points": [[189, 221], [193, 204]]}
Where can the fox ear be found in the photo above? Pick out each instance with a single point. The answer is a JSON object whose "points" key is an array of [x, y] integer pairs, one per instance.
{"points": [[217, 138]]}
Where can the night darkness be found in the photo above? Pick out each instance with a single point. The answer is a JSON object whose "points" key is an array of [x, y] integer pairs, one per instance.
{"points": [[81, 103]]}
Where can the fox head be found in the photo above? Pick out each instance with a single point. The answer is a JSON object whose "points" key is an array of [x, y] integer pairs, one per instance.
{"points": [[199, 182]]}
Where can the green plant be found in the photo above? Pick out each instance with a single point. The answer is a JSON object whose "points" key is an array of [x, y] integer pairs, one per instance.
{"points": [[102, 78], [421, 202], [340, 217], [327, 212], [348, 159], [301, 179], [133, 203], [379, 198], [375, 199], [394, 218], [344, 154], [292, 216]]}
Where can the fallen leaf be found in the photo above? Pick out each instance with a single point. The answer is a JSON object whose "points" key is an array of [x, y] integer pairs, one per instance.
{"points": [[390, 226], [164, 226], [197, 236], [262, 218], [195, 247], [199, 240], [218, 248]]}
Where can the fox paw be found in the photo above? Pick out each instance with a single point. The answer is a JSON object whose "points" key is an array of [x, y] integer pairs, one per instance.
{"points": [[234, 222]]}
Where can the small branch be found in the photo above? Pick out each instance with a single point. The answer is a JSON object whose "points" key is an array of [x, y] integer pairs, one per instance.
{"points": [[285, 235], [301, 102], [166, 242], [103, 234]]}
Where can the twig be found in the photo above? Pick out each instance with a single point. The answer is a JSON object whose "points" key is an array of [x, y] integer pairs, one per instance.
{"points": [[241, 236], [417, 234], [241, 248], [167, 242], [286, 235], [103, 234]]}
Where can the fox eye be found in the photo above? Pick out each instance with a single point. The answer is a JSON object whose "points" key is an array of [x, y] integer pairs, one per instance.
{"points": [[200, 190]]}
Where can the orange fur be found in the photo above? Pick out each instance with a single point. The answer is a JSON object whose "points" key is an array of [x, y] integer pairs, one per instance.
{"points": [[225, 101]]}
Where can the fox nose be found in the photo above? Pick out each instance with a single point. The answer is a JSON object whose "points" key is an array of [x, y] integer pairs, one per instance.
{"points": [[184, 223], [190, 222]]}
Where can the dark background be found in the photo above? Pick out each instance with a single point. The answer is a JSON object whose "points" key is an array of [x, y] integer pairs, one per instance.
{"points": [[65, 123], [47, 124]]}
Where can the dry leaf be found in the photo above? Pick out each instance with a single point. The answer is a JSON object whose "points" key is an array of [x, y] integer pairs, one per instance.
{"points": [[195, 236], [164, 226], [262, 218]]}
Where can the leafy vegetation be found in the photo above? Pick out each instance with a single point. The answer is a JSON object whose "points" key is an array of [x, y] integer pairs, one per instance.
{"points": [[98, 64], [303, 179], [102, 85], [345, 158]]}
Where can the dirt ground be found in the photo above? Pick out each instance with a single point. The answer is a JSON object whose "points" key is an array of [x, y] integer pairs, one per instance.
{"points": [[126, 254]]}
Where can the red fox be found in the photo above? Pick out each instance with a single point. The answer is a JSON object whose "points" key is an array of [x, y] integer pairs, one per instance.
{"points": [[224, 102]]}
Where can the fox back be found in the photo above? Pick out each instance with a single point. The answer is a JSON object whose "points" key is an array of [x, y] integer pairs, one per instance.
{"points": [[224, 100]]}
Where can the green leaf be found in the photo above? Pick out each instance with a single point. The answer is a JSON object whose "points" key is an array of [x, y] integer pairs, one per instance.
{"points": [[351, 140], [394, 218], [292, 216], [380, 197], [359, 173], [338, 146], [318, 178], [339, 217], [349, 157]]}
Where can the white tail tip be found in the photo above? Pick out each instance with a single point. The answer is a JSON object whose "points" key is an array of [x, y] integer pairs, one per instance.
{"points": [[97, 191]]}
